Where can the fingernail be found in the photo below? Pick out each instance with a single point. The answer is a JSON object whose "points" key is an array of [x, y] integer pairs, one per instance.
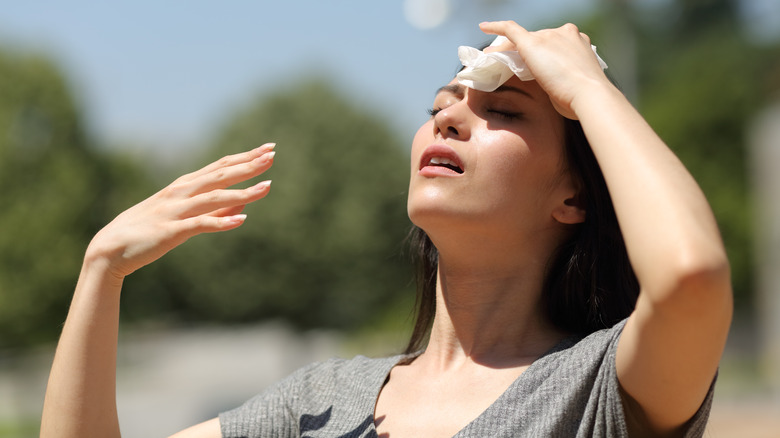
{"points": [[262, 185], [264, 158], [238, 218], [266, 147]]}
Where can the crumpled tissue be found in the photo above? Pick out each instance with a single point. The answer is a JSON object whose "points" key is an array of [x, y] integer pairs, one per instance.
{"points": [[488, 71]]}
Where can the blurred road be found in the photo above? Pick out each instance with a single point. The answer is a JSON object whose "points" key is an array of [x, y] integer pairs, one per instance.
{"points": [[744, 417], [168, 380]]}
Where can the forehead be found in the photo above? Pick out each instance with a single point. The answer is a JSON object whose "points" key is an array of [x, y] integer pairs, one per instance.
{"points": [[529, 88]]}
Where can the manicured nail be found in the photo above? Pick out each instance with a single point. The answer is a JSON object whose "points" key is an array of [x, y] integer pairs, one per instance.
{"points": [[263, 185], [235, 219], [266, 147], [265, 157]]}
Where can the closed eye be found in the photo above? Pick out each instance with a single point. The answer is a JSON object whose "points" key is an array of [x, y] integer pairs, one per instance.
{"points": [[433, 111], [506, 115]]}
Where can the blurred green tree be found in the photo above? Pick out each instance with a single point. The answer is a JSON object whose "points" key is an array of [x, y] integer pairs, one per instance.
{"points": [[701, 94], [323, 249], [700, 82], [54, 196]]}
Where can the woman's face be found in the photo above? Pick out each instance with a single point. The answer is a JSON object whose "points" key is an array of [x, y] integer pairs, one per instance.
{"points": [[489, 159]]}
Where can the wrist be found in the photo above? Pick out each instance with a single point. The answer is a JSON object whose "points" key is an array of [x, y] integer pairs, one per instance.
{"points": [[99, 263], [597, 96]]}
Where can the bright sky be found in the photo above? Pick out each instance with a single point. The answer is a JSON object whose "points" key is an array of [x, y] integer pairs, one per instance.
{"points": [[166, 73]]}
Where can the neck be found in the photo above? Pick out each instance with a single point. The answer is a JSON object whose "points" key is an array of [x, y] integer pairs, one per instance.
{"points": [[489, 309]]}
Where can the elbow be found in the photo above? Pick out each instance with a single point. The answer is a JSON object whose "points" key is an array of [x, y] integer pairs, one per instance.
{"points": [[706, 277], [700, 286]]}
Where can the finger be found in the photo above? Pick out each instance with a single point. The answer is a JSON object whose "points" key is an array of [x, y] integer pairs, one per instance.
{"points": [[573, 30], [207, 224], [230, 160], [571, 27], [228, 211], [516, 34], [506, 46], [505, 28], [215, 200], [221, 178]]}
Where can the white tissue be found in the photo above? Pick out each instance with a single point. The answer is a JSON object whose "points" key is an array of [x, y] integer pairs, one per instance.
{"points": [[488, 71]]}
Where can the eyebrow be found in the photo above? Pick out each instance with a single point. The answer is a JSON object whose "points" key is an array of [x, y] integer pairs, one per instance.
{"points": [[505, 88], [456, 89]]}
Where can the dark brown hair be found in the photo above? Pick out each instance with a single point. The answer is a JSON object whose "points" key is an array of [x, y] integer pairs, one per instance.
{"points": [[590, 283]]}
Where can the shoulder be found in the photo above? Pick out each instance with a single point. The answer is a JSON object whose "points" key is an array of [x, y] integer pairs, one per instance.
{"points": [[337, 393], [597, 348], [337, 372], [575, 370], [575, 386], [572, 390], [326, 379], [580, 375]]}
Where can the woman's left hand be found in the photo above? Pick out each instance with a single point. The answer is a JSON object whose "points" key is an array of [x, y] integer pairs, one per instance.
{"points": [[670, 347], [561, 60]]}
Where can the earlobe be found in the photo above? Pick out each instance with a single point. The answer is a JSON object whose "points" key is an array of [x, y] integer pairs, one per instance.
{"points": [[570, 212]]}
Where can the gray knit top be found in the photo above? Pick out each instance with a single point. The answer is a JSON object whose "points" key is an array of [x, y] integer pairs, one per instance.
{"points": [[571, 391]]}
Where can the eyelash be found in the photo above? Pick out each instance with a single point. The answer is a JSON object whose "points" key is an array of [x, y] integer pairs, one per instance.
{"points": [[501, 114], [504, 114]]}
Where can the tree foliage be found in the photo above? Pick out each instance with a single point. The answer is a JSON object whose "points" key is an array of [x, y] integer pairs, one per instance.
{"points": [[323, 249], [701, 82], [712, 84], [54, 196]]}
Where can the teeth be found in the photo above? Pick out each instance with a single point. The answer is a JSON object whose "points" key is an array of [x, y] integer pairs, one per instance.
{"points": [[442, 161]]}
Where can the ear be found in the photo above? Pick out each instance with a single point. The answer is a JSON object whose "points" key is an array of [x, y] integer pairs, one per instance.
{"points": [[570, 212]]}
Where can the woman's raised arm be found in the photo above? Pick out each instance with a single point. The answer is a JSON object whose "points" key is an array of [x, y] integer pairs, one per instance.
{"points": [[670, 347], [81, 393]]}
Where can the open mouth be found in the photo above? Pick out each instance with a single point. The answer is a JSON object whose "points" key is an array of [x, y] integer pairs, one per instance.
{"points": [[441, 160], [445, 162]]}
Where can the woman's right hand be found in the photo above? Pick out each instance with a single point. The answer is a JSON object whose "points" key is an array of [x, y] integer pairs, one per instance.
{"points": [[199, 202], [81, 393]]}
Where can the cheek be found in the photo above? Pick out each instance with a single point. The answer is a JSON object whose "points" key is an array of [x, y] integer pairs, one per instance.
{"points": [[519, 167], [503, 155]]}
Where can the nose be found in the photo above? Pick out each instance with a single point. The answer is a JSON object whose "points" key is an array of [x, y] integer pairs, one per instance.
{"points": [[453, 121]]}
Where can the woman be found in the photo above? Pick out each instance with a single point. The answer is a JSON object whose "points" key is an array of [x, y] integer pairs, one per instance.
{"points": [[493, 188]]}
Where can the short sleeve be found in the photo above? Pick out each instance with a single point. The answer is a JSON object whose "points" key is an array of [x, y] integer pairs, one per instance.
{"points": [[698, 423], [614, 398], [325, 399], [267, 414]]}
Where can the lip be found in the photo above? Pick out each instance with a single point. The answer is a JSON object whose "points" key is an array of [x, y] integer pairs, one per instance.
{"points": [[439, 151]]}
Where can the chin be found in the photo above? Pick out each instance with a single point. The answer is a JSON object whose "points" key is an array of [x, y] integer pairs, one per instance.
{"points": [[425, 215], [433, 216]]}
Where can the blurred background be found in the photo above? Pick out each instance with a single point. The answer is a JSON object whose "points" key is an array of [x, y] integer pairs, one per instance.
{"points": [[102, 104]]}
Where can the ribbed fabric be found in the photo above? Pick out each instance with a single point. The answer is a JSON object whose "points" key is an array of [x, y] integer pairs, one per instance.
{"points": [[572, 391]]}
